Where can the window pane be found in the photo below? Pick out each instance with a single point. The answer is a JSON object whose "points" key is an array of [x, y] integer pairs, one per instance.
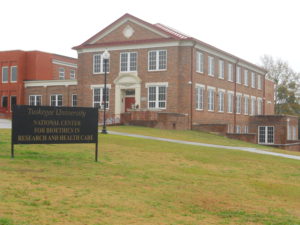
{"points": [[162, 60], [124, 60], [97, 63], [14, 71], [152, 60], [270, 135], [4, 74], [133, 58], [262, 134]]}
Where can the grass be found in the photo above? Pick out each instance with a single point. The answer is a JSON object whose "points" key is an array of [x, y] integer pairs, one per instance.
{"points": [[195, 136], [141, 181]]}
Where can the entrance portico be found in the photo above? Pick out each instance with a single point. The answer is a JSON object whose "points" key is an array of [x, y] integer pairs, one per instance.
{"points": [[127, 92]]}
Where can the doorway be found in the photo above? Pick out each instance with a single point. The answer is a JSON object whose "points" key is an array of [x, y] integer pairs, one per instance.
{"points": [[129, 99]]}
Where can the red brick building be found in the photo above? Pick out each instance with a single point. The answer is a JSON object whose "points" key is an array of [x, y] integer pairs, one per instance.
{"points": [[36, 78]]}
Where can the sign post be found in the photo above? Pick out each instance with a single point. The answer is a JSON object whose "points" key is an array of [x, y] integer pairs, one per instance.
{"points": [[54, 125]]}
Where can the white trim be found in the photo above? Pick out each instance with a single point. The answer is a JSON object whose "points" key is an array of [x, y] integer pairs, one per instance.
{"points": [[15, 81], [100, 86], [246, 95], [166, 84], [123, 22], [239, 94], [210, 87], [223, 90], [47, 83], [230, 92], [200, 85], [266, 135], [62, 63]]}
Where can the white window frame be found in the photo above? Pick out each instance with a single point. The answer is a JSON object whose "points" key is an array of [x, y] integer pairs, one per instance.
{"points": [[129, 62], [211, 66], [230, 96], [246, 129], [266, 136], [253, 105], [221, 100], [259, 83], [35, 97], [5, 67], [200, 90], [253, 80], [56, 100], [246, 104], [158, 60], [259, 106], [294, 133], [221, 68], [157, 101], [238, 103], [211, 98], [101, 96], [98, 62], [238, 75], [246, 78], [230, 72], [72, 74], [200, 62], [11, 74], [61, 72], [238, 129]]}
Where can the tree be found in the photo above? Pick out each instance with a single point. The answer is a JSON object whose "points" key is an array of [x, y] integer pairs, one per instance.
{"points": [[286, 84]]}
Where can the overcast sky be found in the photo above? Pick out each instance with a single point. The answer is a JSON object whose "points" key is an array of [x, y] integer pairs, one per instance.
{"points": [[245, 28]]}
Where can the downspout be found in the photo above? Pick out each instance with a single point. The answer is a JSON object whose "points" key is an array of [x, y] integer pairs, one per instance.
{"points": [[191, 84], [234, 97]]}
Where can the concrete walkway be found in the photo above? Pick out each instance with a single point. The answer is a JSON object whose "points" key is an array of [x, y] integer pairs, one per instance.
{"points": [[5, 124], [253, 150]]}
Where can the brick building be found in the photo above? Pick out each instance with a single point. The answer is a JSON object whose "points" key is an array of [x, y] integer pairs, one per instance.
{"points": [[36, 78]]}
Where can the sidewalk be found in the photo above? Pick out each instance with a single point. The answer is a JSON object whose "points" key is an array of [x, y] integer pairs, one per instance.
{"points": [[5, 124], [253, 150]]}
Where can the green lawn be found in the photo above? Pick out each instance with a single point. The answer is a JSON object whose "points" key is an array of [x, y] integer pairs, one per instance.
{"points": [[141, 181], [194, 136]]}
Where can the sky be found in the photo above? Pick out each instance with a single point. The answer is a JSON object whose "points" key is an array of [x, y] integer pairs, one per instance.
{"points": [[248, 29]]}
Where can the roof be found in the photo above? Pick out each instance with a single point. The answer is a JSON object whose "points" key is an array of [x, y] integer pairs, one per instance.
{"points": [[171, 34]]}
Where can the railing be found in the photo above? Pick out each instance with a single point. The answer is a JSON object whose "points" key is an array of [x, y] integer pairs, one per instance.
{"points": [[111, 118]]}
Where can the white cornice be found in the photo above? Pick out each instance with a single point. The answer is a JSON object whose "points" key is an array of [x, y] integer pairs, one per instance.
{"points": [[157, 84], [121, 23], [93, 86], [62, 63], [126, 47], [47, 83]]}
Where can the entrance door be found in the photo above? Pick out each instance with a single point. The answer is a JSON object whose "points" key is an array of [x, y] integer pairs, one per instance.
{"points": [[129, 101]]}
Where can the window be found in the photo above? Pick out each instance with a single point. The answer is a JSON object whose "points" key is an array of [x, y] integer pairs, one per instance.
{"points": [[246, 105], [266, 135], [99, 96], [157, 97], [289, 132], [246, 129], [246, 77], [4, 74], [221, 69], [13, 102], [199, 97], [56, 100], [72, 75], [259, 106], [99, 64], [238, 103], [61, 73], [253, 80], [238, 129], [221, 100], [157, 60], [230, 102], [74, 100], [4, 102], [253, 105], [259, 82], [238, 75], [211, 99], [230, 72], [200, 62], [211, 66], [128, 61], [13, 74], [295, 133], [35, 100]]}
